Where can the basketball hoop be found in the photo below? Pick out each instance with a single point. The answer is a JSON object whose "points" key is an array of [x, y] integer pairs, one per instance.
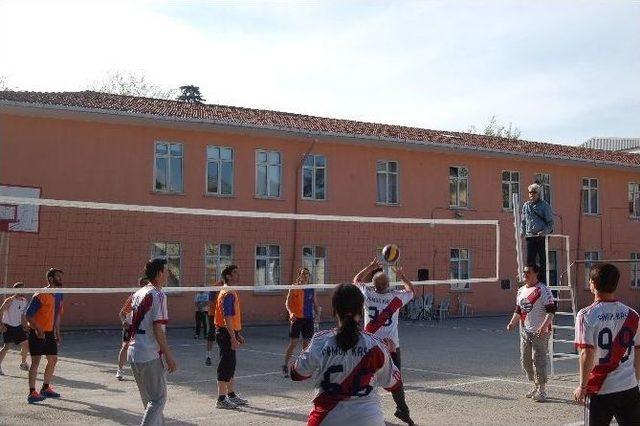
{"points": [[8, 215]]}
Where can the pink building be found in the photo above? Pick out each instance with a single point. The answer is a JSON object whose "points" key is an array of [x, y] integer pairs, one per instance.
{"points": [[90, 146]]}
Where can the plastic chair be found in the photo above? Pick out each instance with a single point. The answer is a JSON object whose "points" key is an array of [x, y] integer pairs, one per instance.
{"points": [[443, 309], [465, 308]]}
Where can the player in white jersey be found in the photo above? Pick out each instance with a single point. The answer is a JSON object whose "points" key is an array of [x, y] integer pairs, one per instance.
{"points": [[382, 305], [13, 323], [608, 337], [535, 309], [350, 365]]}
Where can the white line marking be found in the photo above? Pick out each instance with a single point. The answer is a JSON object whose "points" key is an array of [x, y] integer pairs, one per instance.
{"points": [[235, 377]]}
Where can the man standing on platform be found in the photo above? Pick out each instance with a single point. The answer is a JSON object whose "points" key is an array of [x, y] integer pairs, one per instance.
{"points": [[537, 221]]}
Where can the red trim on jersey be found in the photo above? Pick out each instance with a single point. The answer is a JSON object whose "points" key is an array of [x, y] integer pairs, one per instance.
{"points": [[139, 313], [162, 321], [325, 402], [386, 313], [297, 377], [600, 372], [584, 346]]}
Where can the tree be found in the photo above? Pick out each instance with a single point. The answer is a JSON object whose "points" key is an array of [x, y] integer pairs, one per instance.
{"points": [[190, 94], [3, 83], [494, 128], [132, 84]]}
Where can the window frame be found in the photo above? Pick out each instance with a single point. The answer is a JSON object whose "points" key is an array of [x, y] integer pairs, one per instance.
{"points": [[457, 181], [589, 263], [313, 177], [255, 263], [387, 173], [314, 257], [217, 258], [632, 206], [167, 257], [219, 165], [539, 179], [457, 286], [258, 151], [589, 188], [169, 158], [510, 182], [634, 274]]}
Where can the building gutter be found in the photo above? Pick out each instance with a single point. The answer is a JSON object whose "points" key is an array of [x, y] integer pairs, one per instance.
{"points": [[63, 111]]}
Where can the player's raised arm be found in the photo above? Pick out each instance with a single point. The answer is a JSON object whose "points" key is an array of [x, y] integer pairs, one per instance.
{"points": [[408, 285], [360, 276]]}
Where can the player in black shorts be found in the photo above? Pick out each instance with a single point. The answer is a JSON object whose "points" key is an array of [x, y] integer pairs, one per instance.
{"points": [[302, 306], [13, 326]]}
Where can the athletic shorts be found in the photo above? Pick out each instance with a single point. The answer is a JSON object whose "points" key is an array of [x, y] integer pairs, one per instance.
{"points": [[15, 335], [624, 406], [46, 346], [302, 326], [126, 334], [211, 335], [227, 364]]}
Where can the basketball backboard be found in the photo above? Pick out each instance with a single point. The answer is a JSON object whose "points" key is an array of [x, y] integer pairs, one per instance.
{"points": [[20, 217]]}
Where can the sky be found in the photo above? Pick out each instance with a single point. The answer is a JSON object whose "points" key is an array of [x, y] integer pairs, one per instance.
{"points": [[560, 71]]}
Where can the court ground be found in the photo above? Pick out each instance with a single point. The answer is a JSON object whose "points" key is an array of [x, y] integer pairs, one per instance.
{"points": [[462, 371]]}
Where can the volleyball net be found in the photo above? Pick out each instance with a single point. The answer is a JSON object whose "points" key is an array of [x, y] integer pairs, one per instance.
{"points": [[103, 247]]}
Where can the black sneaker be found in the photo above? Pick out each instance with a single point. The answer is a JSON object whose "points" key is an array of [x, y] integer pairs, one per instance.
{"points": [[404, 416], [207, 361], [285, 371]]}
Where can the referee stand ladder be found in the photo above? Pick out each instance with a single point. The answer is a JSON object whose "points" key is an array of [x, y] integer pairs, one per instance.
{"points": [[561, 341]]}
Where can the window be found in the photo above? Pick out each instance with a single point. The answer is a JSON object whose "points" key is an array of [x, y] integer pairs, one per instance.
{"points": [[387, 178], [458, 187], [552, 263], [168, 167], [591, 258], [313, 177], [634, 200], [268, 173], [314, 259], [510, 186], [216, 258], [635, 270], [590, 196], [219, 170], [544, 180], [171, 253], [267, 265], [459, 265]]}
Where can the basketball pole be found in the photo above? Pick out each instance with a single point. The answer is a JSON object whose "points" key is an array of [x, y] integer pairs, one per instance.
{"points": [[4, 249]]}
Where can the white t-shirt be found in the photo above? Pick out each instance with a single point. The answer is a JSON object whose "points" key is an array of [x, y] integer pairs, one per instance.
{"points": [[13, 313], [346, 382], [611, 328], [149, 307], [531, 304], [381, 311]]}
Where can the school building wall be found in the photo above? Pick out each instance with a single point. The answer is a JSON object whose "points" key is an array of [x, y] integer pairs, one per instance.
{"points": [[80, 157]]}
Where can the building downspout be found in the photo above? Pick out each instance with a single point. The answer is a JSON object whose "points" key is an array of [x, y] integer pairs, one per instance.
{"points": [[295, 210]]}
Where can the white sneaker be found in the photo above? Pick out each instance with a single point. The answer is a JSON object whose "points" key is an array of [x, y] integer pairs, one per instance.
{"points": [[119, 374], [226, 404], [238, 401], [24, 366], [540, 396], [532, 393]]}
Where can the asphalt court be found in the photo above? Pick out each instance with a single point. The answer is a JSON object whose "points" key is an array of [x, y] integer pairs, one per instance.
{"points": [[460, 371]]}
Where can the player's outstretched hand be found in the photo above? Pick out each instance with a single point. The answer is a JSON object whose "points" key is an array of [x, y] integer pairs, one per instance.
{"points": [[579, 395], [510, 326], [399, 270], [389, 344], [375, 263], [240, 339]]}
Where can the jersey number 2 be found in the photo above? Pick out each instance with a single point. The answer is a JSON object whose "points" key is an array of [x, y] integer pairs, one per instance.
{"points": [[373, 316]]}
